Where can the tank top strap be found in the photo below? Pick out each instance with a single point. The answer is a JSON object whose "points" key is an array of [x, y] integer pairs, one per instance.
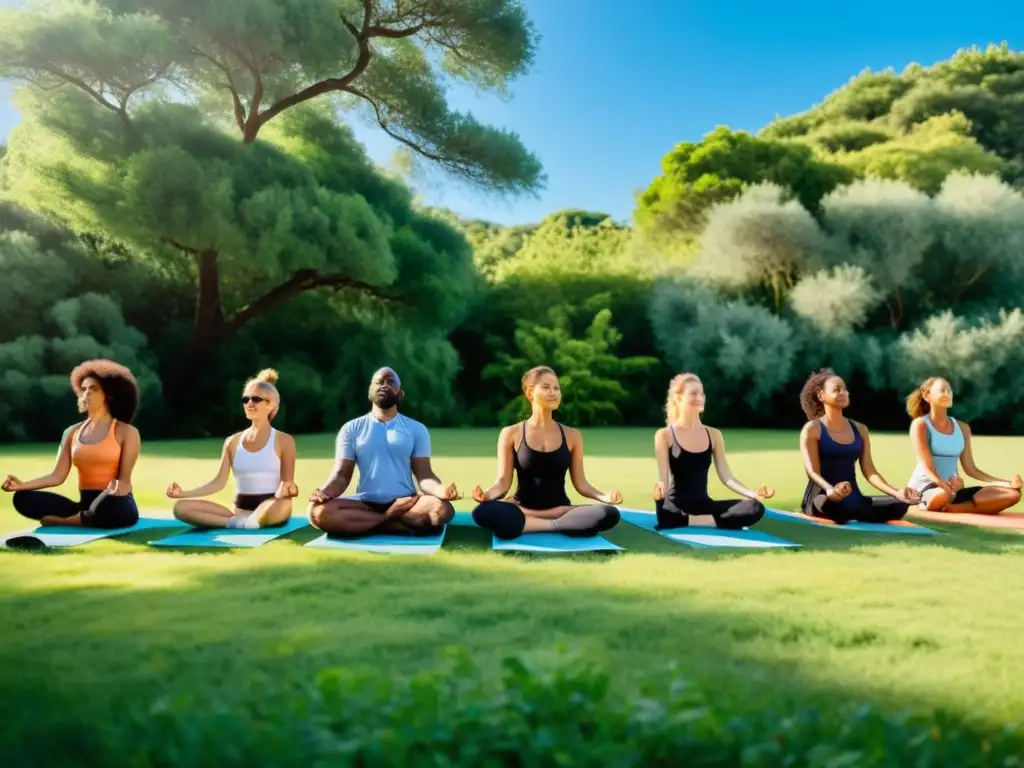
{"points": [[675, 440], [564, 438], [711, 440]]}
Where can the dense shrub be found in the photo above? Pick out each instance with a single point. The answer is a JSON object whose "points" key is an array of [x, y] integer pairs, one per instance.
{"points": [[565, 711]]}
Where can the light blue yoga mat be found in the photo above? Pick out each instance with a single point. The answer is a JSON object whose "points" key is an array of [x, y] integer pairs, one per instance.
{"points": [[230, 537], [463, 519], [384, 544], [73, 535], [903, 527], [553, 542], [704, 537]]}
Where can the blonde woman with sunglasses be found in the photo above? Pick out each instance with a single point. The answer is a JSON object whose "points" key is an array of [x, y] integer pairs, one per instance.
{"points": [[262, 460]]}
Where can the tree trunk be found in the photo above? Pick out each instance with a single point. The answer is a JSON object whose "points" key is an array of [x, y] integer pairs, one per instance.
{"points": [[208, 326]]}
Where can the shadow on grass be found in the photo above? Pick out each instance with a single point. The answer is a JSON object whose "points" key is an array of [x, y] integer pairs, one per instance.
{"points": [[74, 651]]}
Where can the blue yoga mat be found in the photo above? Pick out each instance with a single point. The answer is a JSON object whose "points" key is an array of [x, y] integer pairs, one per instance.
{"points": [[705, 537], [902, 527], [553, 542], [463, 520], [73, 535], [231, 537], [384, 544]]}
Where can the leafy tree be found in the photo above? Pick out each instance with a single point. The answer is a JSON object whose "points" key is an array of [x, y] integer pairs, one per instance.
{"points": [[592, 375], [695, 176], [562, 246], [105, 145], [886, 227], [984, 88], [761, 238], [864, 99], [847, 136], [743, 353], [981, 230], [835, 301], [36, 402], [925, 155], [982, 359]]}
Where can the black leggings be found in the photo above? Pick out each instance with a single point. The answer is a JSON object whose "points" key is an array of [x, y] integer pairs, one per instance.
{"points": [[865, 509], [507, 521], [112, 512], [731, 515]]}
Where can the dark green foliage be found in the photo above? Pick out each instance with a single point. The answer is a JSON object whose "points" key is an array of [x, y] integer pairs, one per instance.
{"points": [[560, 711], [595, 381]]}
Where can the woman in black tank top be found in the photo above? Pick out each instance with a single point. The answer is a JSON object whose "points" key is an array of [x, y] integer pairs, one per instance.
{"points": [[681, 494], [540, 452]]}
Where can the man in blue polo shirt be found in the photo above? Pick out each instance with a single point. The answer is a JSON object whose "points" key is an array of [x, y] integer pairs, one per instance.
{"points": [[392, 453]]}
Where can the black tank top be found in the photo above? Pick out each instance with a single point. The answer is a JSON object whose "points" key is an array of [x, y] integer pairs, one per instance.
{"points": [[689, 472], [540, 475]]}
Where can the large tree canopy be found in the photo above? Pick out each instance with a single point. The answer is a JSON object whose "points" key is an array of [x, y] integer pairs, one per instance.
{"points": [[128, 131], [696, 176], [983, 87], [252, 60]]}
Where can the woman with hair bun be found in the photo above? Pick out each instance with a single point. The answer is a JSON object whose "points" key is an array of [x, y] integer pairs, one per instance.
{"points": [[540, 452], [685, 450], [942, 444], [263, 462], [103, 449], [832, 446]]}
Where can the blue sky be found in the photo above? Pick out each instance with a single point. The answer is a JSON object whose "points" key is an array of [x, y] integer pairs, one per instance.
{"points": [[617, 83]]}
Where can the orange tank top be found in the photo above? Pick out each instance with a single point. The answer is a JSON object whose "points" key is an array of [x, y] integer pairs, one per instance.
{"points": [[97, 463]]}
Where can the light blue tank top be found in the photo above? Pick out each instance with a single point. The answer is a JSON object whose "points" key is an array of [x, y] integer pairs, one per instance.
{"points": [[945, 449]]}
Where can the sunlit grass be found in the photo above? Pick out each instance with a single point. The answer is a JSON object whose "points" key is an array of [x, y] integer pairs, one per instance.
{"points": [[894, 620]]}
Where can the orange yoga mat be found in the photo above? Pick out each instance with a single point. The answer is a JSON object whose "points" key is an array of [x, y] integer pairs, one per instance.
{"points": [[1010, 520]]}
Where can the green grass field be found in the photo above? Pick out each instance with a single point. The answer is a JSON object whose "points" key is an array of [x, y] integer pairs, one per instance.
{"points": [[899, 622]]}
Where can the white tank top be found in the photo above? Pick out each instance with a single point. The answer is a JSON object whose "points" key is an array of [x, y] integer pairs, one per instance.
{"points": [[259, 472]]}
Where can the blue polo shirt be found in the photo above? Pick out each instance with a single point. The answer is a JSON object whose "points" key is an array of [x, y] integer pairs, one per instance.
{"points": [[382, 451]]}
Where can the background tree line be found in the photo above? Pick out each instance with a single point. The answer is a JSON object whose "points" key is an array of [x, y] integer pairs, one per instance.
{"points": [[183, 195]]}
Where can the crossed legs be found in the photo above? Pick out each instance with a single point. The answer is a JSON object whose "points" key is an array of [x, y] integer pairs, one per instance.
{"points": [[988, 500], [209, 514], [351, 518], [507, 520]]}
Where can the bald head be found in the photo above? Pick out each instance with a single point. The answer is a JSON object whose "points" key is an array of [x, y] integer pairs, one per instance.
{"points": [[385, 388]]}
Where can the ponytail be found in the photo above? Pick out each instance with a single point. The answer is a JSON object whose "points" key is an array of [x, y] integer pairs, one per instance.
{"points": [[675, 388], [917, 405]]}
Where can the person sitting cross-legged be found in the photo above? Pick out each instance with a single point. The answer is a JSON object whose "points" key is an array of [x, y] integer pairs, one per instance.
{"points": [[390, 450]]}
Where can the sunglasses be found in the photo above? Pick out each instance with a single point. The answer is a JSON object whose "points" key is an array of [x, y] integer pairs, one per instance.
{"points": [[254, 399]]}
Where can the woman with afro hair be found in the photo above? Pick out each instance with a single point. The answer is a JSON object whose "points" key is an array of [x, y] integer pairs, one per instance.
{"points": [[103, 449], [832, 445]]}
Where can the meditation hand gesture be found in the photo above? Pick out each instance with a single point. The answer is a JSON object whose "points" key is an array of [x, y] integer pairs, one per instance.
{"points": [[119, 488], [840, 491], [173, 491], [287, 490], [319, 497], [764, 492], [908, 496], [479, 496], [1015, 482], [400, 506], [613, 497], [11, 484], [659, 491], [451, 493]]}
